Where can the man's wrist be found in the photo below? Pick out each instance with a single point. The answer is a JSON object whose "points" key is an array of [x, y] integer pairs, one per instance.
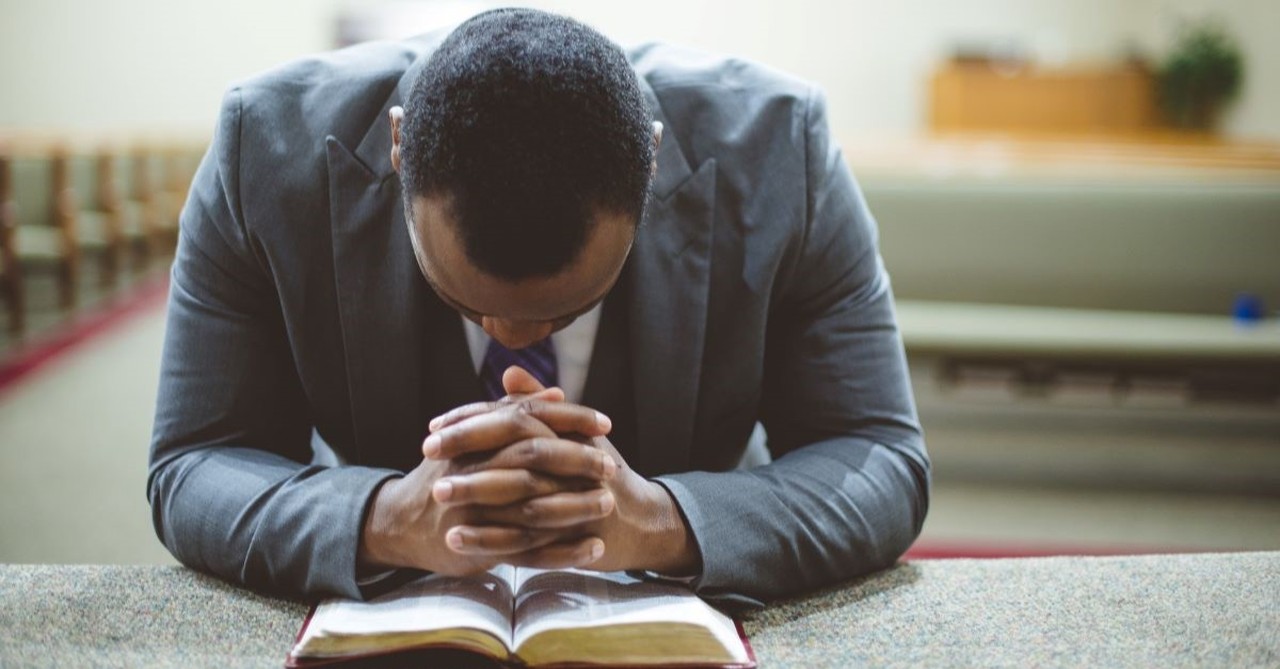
{"points": [[378, 535], [672, 548]]}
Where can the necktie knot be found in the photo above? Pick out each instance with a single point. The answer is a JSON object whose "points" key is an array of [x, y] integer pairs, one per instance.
{"points": [[538, 359]]}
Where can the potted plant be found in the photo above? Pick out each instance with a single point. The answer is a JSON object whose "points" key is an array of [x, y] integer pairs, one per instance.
{"points": [[1201, 75]]}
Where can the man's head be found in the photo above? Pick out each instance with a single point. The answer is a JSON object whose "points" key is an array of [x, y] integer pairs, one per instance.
{"points": [[525, 151]]}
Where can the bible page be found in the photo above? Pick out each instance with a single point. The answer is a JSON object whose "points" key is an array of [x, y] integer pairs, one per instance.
{"points": [[431, 603], [576, 599]]}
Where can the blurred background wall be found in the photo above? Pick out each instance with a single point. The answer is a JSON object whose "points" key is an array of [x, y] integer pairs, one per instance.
{"points": [[125, 63]]}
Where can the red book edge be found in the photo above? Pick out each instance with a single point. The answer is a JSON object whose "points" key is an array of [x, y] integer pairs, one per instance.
{"points": [[289, 660], [746, 643], [292, 662]]}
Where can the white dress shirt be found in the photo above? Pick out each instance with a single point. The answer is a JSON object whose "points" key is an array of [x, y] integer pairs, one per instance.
{"points": [[573, 346]]}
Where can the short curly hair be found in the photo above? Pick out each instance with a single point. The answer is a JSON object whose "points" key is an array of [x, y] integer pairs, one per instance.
{"points": [[530, 125]]}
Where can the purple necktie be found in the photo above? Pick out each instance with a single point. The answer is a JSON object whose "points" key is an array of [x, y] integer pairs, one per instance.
{"points": [[538, 359]]}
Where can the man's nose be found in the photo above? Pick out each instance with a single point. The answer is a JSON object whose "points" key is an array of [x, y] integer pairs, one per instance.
{"points": [[516, 334]]}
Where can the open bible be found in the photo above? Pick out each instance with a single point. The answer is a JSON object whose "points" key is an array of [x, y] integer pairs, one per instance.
{"points": [[528, 617]]}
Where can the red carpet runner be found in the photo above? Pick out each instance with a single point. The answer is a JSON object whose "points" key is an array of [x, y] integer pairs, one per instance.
{"points": [[63, 338]]}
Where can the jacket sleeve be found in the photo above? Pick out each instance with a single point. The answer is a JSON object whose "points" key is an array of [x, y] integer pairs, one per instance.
{"points": [[230, 486], [848, 489]]}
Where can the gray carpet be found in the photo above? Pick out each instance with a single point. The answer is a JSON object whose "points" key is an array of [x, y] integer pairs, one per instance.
{"points": [[1219, 610]]}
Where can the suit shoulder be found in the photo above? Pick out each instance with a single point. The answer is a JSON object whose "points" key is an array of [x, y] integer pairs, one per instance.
{"points": [[322, 93], [751, 118], [351, 69], [273, 125], [679, 70]]}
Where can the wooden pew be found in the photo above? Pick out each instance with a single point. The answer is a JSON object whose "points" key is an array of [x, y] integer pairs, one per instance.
{"points": [[68, 200], [96, 221], [10, 274], [178, 162], [39, 230]]}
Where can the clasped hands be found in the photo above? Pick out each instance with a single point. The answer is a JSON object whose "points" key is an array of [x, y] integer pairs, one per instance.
{"points": [[529, 480]]}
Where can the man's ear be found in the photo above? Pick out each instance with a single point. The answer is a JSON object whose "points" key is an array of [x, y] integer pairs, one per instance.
{"points": [[397, 116], [657, 143]]}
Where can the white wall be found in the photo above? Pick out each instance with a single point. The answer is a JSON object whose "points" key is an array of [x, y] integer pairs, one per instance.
{"points": [[129, 63], [142, 63]]}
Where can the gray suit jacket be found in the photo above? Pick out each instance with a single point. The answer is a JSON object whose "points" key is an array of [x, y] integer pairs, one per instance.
{"points": [[757, 293]]}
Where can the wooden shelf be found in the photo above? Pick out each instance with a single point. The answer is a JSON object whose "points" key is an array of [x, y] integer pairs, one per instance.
{"points": [[983, 97]]}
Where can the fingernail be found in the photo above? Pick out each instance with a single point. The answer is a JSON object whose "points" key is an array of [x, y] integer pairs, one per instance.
{"points": [[597, 550], [604, 422], [454, 539], [435, 423], [606, 503], [442, 490], [431, 447], [608, 466]]}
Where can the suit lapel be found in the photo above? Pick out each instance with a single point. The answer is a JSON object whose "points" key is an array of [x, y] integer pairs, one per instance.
{"points": [[449, 378], [669, 290], [394, 327], [380, 299]]}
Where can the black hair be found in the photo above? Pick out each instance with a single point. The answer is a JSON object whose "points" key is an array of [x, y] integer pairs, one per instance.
{"points": [[530, 125]]}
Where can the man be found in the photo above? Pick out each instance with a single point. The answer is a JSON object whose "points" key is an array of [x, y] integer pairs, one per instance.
{"points": [[676, 228]]}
